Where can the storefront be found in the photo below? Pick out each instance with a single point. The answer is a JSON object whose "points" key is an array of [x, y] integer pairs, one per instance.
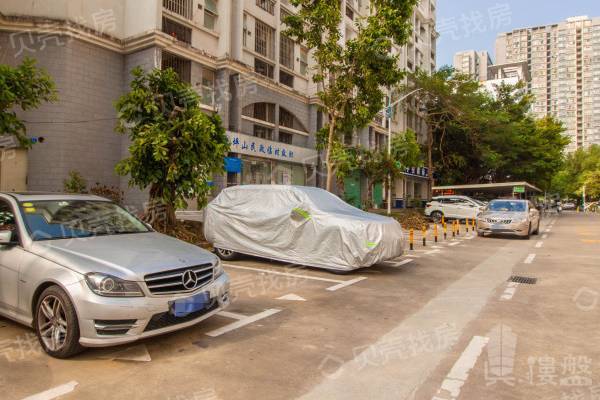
{"points": [[263, 162]]}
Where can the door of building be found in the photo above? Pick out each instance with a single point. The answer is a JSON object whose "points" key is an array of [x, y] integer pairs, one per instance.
{"points": [[13, 170], [352, 189]]}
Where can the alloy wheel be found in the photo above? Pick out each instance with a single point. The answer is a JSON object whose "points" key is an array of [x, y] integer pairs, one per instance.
{"points": [[52, 323]]}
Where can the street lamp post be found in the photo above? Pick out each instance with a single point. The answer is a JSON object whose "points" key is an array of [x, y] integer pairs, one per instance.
{"points": [[388, 112]]}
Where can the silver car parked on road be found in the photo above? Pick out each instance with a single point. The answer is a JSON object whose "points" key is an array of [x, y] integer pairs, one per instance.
{"points": [[512, 217], [84, 272]]}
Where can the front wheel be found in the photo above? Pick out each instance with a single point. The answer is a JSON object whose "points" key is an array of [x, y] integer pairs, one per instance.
{"points": [[437, 216], [227, 255], [526, 237], [537, 229], [56, 324]]}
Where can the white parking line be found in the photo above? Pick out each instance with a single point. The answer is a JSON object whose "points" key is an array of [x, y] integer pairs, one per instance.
{"points": [[346, 283], [268, 271], [232, 315], [453, 243], [54, 392], [545, 236], [242, 322], [529, 259], [398, 263], [340, 283], [430, 252], [462, 367], [539, 244]]}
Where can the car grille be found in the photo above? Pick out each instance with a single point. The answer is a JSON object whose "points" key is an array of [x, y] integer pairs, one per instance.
{"points": [[172, 282], [499, 221], [166, 319]]}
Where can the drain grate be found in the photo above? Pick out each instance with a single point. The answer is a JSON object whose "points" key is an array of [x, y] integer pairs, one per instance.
{"points": [[523, 279]]}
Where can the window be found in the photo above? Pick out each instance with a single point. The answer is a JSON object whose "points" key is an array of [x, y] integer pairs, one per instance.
{"points": [[262, 111], [176, 30], [207, 88], [264, 43], [181, 7], [263, 68], [267, 5], [285, 137], [263, 132], [286, 79], [180, 65], [286, 118], [245, 31], [286, 52], [349, 13], [303, 61], [210, 14], [283, 14]]}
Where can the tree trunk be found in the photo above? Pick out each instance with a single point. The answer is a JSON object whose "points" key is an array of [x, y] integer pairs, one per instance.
{"points": [[158, 214], [328, 162]]}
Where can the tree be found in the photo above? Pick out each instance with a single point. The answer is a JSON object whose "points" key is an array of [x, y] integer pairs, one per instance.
{"points": [[175, 147], [350, 75], [25, 87], [580, 168]]}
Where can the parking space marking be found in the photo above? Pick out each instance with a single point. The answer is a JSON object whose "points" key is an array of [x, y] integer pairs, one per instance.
{"points": [[470, 237], [510, 290], [242, 322], [453, 243], [232, 315], [268, 271], [539, 244], [346, 283], [545, 236], [54, 392], [529, 258], [291, 297], [398, 263], [462, 367], [430, 252]]}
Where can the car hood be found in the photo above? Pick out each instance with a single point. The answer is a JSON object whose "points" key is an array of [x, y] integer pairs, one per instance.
{"points": [[504, 214], [129, 256]]}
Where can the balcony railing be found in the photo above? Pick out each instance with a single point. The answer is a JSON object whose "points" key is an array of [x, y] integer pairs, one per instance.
{"points": [[181, 7], [267, 5]]}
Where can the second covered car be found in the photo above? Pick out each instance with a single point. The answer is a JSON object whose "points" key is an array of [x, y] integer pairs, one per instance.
{"points": [[302, 225]]}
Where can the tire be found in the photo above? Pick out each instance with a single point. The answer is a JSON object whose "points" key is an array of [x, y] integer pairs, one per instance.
{"points": [[537, 229], [61, 339], [480, 234], [227, 255], [526, 237], [436, 216]]}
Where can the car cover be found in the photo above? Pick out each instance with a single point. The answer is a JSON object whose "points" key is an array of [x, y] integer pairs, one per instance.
{"points": [[301, 225]]}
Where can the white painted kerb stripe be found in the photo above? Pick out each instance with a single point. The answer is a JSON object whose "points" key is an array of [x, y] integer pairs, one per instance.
{"points": [[529, 259], [243, 322], [54, 392], [462, 367]]}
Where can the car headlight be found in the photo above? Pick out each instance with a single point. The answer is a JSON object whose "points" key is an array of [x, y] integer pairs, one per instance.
{"points": [[218, 269], [111, 286]]}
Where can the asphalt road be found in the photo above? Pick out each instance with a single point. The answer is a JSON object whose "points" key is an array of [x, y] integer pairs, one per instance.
{"points": [[442, 322]]}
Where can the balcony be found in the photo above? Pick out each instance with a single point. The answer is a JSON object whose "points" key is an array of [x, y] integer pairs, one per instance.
{"points": [[176, 30], [267, 5], [180, 7]]}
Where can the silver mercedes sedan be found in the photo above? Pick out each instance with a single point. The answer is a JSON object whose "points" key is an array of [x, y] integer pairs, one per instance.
{"points": [[84, 272], [512, 217]]}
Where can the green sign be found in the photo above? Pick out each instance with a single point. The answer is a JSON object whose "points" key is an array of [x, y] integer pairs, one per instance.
{"points": [[519, 189]]}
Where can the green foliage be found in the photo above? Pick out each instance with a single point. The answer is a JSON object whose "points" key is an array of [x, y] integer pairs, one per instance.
{"points": [[350, 76], [476, 137], [109, 192], [175, 147], [24, 87], [75, 183], [580, 168], [406, 149]]}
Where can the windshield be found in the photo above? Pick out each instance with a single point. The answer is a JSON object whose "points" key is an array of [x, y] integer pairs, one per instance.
{"points": [[507, 205], [67, 219]]}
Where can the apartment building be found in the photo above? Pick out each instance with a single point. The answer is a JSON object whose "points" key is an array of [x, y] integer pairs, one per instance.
{"points": [[564, 64], [509, 74], [473, 63], [233, 52]]}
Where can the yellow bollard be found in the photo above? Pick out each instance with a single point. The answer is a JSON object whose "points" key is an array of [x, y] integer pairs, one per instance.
{"points": [[466, 224], [445, 230], [424, 232], [411, 238], [443, 220], [435, 233], [457, 228], [453, 228], [474, 226]]}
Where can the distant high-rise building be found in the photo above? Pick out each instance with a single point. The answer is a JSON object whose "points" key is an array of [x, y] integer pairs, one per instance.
{"points": [[564, 64], [474, 63], [510, 74]]}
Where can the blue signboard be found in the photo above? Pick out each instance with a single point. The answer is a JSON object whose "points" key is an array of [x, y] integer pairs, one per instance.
{"points": [[233, 164], [253, 147], [417, 171]]}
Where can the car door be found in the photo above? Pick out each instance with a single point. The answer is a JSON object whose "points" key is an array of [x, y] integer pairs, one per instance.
{"points": [[10, 260], [464, 208], [449, 207]]}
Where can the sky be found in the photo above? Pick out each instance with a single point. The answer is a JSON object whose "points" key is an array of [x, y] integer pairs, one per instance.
{"points": [[474, 24]]}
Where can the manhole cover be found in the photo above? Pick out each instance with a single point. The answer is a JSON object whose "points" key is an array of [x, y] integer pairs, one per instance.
{"points": [[523, 279]]}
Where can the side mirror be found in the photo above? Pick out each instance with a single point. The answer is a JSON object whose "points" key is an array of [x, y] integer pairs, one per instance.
{"points": [[6, 238]]}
